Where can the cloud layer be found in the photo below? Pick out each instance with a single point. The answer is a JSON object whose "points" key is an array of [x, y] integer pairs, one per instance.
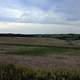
{"points": [[40, 16], [40, 11]]}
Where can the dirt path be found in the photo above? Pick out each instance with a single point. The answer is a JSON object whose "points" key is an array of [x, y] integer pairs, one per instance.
{"points": [[42, 61]]}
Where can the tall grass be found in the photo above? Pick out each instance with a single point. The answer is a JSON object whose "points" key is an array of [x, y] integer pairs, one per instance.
{"points": [[17, 72]]}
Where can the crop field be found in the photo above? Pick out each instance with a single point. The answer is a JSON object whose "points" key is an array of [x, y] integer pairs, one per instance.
{"points": [[44, 53], [36, 52], [39, 41]]}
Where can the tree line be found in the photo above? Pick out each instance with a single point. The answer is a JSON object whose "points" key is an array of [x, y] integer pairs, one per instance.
{"points": [[57, 36]]}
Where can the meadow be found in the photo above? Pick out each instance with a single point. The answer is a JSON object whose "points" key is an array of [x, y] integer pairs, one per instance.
{"points": [[32, 50], [39, 58]]}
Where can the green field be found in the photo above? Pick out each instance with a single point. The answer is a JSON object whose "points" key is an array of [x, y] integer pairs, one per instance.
{"points": [[23, 58], [46, 51], [37, 50]]}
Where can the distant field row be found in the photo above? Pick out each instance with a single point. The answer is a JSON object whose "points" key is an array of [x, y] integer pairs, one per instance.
{"points": [[39, 41], [37, 50]]}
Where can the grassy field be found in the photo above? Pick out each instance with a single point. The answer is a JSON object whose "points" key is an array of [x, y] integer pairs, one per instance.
{"points": [[43, 53], [37, 50], [37, 56], [38, 46], [46, 51], [39, 41]]}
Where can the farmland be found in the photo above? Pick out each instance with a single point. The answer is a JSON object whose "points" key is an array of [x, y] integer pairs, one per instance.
{"points": [[40, 52], [39, 41], [35, 51]]}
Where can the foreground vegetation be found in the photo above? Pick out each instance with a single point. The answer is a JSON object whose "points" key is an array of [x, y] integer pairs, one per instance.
{"points": [[17, 72]]}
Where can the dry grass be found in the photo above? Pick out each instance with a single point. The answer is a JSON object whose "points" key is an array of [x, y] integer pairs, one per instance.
{"points": [[42, 61], [39, 61], [39, 41]]}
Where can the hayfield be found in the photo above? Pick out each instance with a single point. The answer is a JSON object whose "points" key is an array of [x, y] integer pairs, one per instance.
{"points": [[36, 58], [36, 52], [40, 41]]}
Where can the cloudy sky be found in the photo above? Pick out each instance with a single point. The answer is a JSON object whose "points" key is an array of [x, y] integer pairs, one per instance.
{"points": [[40, 16]]}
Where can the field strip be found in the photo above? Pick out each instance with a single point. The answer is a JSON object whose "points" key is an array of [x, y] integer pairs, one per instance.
{"points": [[35, 45], [41, 61]]}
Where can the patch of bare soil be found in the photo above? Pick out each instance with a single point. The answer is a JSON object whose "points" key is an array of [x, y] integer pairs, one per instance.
{"points": [[41, 61]]}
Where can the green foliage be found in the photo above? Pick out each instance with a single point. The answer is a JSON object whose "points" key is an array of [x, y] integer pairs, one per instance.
{"points": [[17, 72]]}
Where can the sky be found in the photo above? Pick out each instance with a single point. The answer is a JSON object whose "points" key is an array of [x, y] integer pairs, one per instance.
{"points": [[40, 16]]}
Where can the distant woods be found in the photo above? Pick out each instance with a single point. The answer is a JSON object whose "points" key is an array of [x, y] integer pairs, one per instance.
{"points": [[56, 36]]}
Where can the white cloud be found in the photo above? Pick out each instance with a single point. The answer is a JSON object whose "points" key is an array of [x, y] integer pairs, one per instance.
{"points": [[38, 15], [33, 14], [10, 13], [33, 11], [30, 14]]}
